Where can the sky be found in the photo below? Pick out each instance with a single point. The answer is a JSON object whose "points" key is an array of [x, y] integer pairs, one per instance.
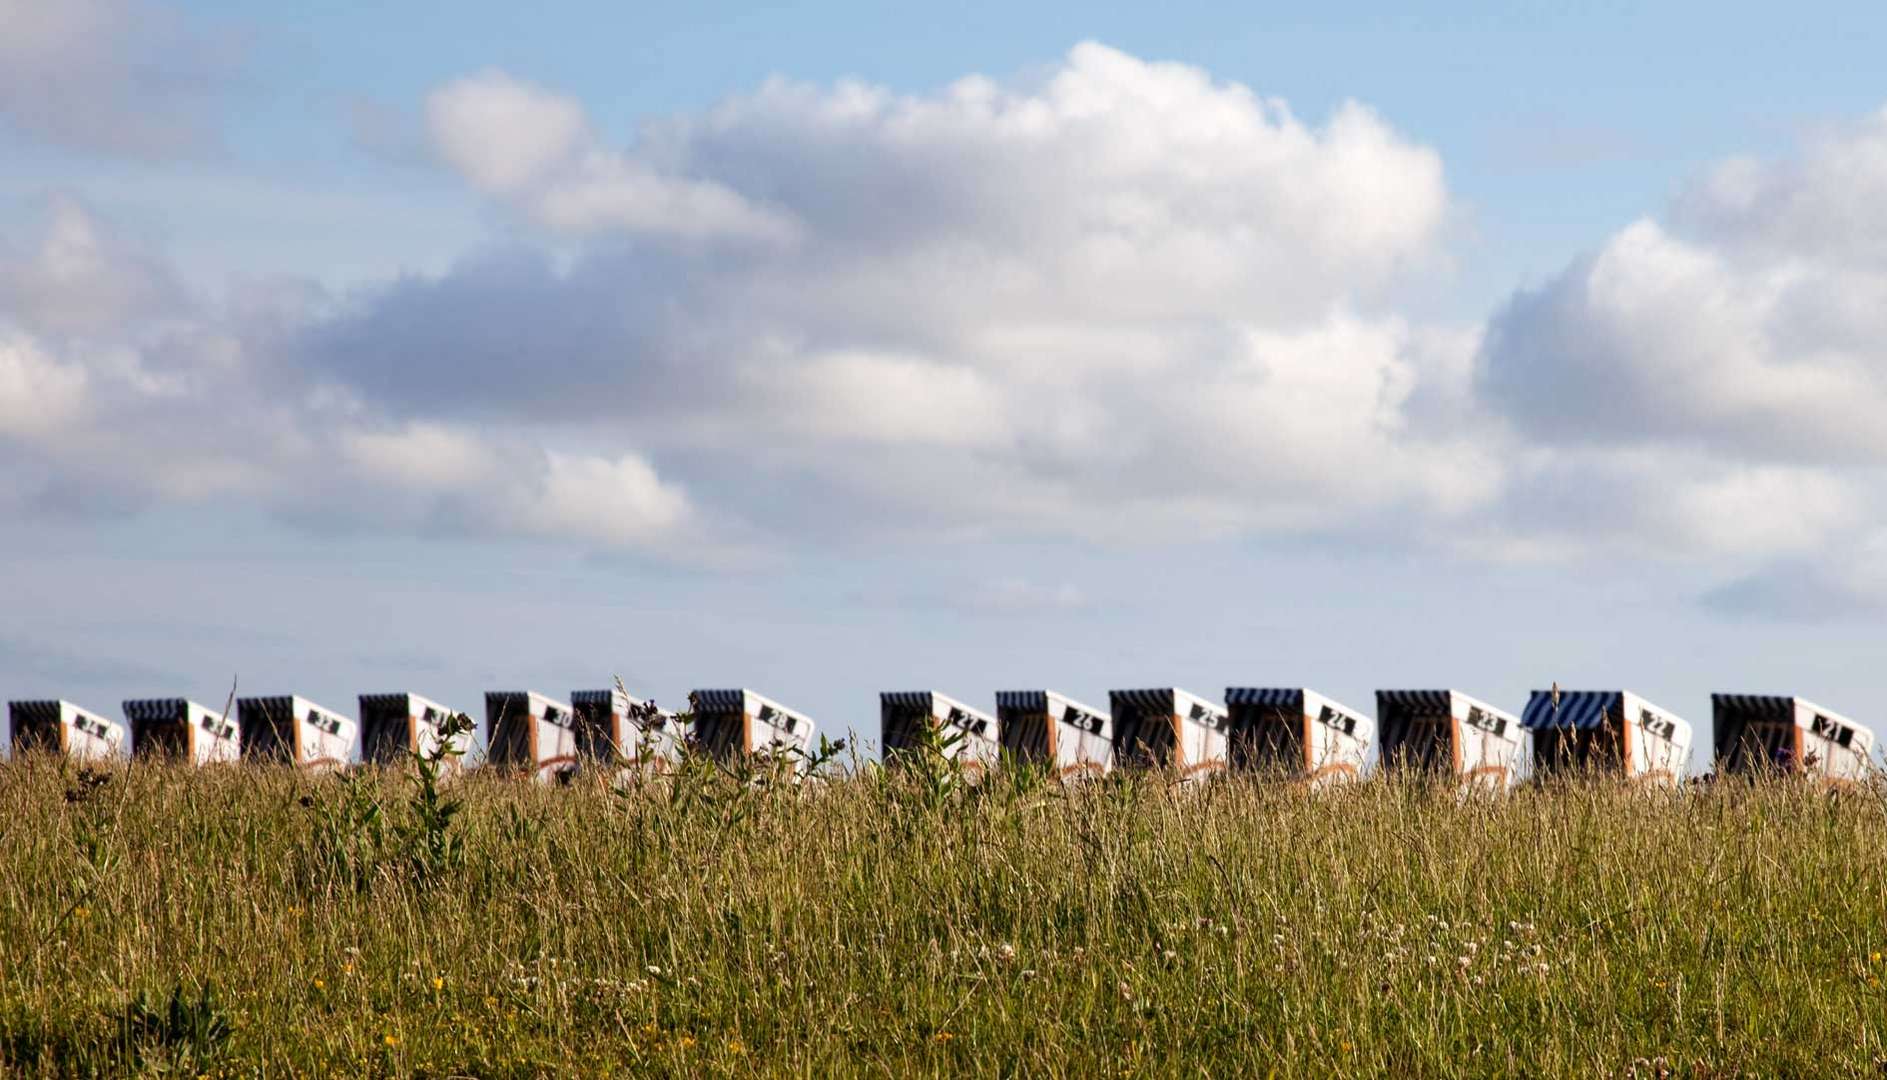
{"points": [[827, 348]]}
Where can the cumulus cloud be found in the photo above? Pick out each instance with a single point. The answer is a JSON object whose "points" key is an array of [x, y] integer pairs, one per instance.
{"points": [[79, 278], [115, 76], [118, 389], [1123, 300], [38, 394], [1713, 381], [523, 143]]}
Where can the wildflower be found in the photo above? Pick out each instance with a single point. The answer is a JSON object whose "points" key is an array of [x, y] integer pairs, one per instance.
{"points": [[1431, 958], [438, 983], [687, 1042], [736, 1047], [320, 984], [390, 1040], [491, 1002], [1874, 957], [1006, 953], [655, 971], [347, 968], [81, 912], [1464, 961], [944, 1036], [1873, 981]]}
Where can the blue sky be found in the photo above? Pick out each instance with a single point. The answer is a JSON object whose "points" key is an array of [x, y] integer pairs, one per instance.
{"points": [[450, 347]]}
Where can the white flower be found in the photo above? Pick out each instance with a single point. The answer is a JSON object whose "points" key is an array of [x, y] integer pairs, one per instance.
{"points": [[656, 971]]}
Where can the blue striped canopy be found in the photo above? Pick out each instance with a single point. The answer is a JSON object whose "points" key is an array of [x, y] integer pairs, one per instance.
{"points": [[1578, 709]]}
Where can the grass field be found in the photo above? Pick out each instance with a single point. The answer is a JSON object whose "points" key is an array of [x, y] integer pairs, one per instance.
{"points": [[232, 921]]}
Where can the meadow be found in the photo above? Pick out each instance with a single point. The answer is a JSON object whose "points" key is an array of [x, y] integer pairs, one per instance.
{"points": [[246, 920]]}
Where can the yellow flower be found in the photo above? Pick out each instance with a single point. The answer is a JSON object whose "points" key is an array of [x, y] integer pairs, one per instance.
{"points": [[687, 1042], [347, 968], [320, 984], [438, 983], [81, 912], [944, 1036], [1875, 957], [390, 1040], [491, 1003], [735, 1046]]}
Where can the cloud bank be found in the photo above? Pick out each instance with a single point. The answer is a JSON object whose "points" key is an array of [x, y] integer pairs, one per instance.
{"points": [[1123, 300], [1716, 376], [1119, 301]]}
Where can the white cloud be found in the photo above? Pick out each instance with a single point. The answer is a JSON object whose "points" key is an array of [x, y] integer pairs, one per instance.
{"points": [[1122, 289], [1663, 339], [505, 486], [1828, 204], [80, 279], [502, 134], [1712, 383], [38, 395], [117, 76], [134, 394], [618, 502], [522, 143]]}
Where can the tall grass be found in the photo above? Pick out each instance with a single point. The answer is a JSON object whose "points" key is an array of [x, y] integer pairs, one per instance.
{"points": [[232, 920]]}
